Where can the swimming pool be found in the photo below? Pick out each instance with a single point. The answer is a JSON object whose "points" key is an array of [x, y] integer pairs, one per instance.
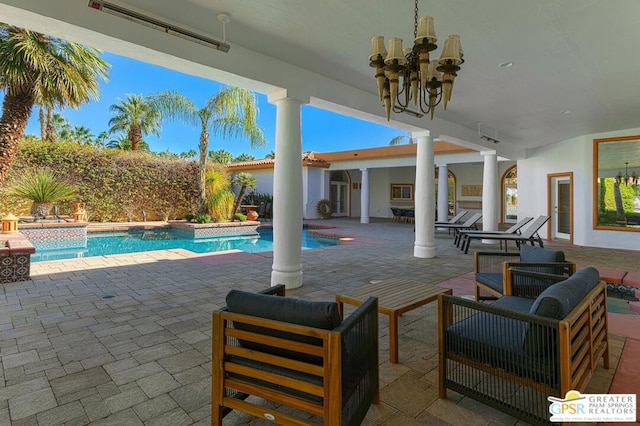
{"points": [[133, 241]]}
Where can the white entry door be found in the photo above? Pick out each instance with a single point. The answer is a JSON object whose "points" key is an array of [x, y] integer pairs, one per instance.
{"points": [[561, 208]]}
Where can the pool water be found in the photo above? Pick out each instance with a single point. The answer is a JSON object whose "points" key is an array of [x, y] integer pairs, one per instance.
{"points": [[133, 241]]}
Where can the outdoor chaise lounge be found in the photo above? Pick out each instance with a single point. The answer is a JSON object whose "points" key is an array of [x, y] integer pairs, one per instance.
{"points": [[515, 229], [468, 224], [297, 355], [528, 235], [454, 219], [500, 273], [514, 353]]}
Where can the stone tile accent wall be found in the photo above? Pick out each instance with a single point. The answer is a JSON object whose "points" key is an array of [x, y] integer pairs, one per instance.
{"points": [[15, 258], [15, 268], [56, 236], [208, 230]]}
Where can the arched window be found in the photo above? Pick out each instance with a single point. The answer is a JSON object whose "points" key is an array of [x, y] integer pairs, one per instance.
{"points": [[510, 195]]}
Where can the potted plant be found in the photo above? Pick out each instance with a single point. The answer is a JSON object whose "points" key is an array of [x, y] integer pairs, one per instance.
{"points": [[43, 188]]}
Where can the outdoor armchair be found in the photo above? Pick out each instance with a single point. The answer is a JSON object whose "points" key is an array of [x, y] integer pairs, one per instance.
{"points": [[297, 355], [515, 352], [501, 273]]}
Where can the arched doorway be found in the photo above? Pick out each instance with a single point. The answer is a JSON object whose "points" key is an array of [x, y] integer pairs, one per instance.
{"points": [[339, 193], [509, 205], [451, 192]]}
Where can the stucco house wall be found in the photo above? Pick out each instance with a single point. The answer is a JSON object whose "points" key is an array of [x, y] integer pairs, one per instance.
{"points": [[572, 155]]}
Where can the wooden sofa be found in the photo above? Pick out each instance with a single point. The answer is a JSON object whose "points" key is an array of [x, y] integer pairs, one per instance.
{"points": [[298, 358], [515, 352], [493, 279]]}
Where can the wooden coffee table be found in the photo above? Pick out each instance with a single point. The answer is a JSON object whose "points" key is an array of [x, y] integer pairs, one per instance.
{"points": [[395, 297]]}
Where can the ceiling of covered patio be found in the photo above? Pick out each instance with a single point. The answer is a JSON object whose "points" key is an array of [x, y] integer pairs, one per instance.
{"points": [[573, 68]]}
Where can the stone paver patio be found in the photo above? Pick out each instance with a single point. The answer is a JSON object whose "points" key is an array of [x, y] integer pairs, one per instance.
{"points": [[125, 340]]}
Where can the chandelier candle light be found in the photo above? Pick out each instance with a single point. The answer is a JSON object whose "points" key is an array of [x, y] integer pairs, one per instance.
{"points": [[426, 82]]}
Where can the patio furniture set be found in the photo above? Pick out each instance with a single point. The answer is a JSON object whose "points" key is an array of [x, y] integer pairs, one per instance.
{"points": [[542, 335]]}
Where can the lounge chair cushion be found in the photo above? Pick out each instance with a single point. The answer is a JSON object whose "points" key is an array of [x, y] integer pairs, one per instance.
{"points": [[286, 309], [531, 254]]}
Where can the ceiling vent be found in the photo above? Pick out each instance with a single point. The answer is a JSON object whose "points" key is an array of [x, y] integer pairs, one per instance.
{"points": [[156, 24]]}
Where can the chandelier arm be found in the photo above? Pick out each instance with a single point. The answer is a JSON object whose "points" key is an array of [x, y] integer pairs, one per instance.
{"points": [[424, 100]]}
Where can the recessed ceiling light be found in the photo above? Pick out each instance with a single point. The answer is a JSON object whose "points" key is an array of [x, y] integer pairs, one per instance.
{"points": [[566, 111], [505, 64]]}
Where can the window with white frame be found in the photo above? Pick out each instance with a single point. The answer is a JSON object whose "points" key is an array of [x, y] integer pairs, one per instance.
{"points": [[401, 192]]}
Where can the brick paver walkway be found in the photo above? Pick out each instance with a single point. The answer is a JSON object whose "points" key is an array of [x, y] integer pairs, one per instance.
{"points": [[125, 340]]}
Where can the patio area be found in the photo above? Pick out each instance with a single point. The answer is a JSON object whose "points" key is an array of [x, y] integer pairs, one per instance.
{"points": [[126, 339]]}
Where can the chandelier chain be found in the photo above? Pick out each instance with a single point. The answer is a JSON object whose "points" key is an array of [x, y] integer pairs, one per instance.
{"points": [[415, 20]]}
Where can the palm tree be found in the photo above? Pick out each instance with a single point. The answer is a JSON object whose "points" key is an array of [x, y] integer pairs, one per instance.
{"points": [[38, 69], [57, 127], [185, 155], [229, 113], [244, 180], [137, 117], [271, 155], [221, 156], [399, 140], [124, 143], [244, 157], [100, 140], [82, 135]]}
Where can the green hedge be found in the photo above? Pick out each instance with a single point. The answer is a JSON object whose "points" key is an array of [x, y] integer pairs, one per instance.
{"points": [[115, 185]]}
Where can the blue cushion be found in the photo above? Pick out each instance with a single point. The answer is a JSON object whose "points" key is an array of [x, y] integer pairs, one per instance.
{"points": [[492, 280], [560, 299], [286, 309], [531, 254], [514, 303]]}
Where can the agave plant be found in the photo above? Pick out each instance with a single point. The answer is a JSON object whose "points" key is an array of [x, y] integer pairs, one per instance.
{"points": [[43, 188]]}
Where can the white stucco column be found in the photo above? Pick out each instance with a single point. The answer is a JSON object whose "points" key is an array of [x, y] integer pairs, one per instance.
{"points": [[424, 196], [287, 193], [443, 193], [364, 197], [490, 192]]}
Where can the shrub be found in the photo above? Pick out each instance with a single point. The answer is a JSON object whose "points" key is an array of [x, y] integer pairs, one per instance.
{"points": [[203, 218], [40, 186], [114, 184], [241, 217], [189, 216]]}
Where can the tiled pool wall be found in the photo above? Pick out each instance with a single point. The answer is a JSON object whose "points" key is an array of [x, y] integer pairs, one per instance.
{"points": [[49, 236], [209, 230], [15, 258]]}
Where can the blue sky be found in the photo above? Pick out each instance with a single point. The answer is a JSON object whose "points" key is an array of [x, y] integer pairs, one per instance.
{"points": [[322, 131]]}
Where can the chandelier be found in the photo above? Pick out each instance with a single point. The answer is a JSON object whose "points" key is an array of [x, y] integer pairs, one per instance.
{"points": [[404, 75], [627, 179]]}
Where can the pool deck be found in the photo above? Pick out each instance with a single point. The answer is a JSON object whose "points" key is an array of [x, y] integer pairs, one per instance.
{"points": [[125, 339]]}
